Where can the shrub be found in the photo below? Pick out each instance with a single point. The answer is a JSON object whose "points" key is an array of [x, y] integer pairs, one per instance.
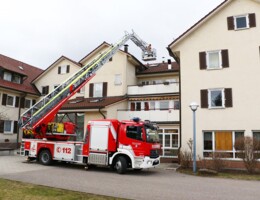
{"points": [[248, 147], [186, 155]]}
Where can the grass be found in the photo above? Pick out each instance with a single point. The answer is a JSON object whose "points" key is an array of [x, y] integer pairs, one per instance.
{"points": [[14, 190], [240, 175]]}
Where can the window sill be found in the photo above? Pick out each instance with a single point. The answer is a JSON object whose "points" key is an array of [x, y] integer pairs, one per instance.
{"points": [[216, 108]]}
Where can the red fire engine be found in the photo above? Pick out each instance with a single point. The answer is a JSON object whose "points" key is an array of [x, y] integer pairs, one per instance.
{"points": [[108, 142]]}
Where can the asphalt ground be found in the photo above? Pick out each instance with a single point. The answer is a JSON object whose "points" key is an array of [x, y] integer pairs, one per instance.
{"points": [[159, 183]]}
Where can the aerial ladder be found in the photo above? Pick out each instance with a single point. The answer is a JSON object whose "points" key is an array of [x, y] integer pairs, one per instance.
{"points": [[36, 118]]}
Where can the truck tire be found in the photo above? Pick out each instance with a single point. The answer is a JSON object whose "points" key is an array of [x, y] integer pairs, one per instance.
{"points": [[121, 165], [45, 157]]}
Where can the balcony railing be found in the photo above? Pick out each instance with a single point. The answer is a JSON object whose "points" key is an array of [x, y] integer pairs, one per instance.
{"points": [[170, 115], [162, 88]]}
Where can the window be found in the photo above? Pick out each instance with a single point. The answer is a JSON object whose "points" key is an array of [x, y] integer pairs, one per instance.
{"points": [[241, 22], [216, 98], [152, 105], [164, 105], [118, 79], [16, 79], [222, 142], [134, 132], [146, 105], [216, 59], [27, 103], [176, 105], [10, 101], [256, 135], [8, 126], [45, 90], [169, 139], [98, 89], [208, 141], [63, 69], [7, 76]]}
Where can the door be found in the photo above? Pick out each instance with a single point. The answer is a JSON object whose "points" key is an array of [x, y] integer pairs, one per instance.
{"points": [[135, 137]]}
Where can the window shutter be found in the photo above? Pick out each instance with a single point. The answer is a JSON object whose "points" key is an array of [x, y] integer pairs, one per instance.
{"points": [[17, 101], [22, 102], [132, 106], [225, 58], [59, 70], [228, 96], [1, 126], [204, 99], [15, 127], [4, 99], [104, 89], [252, 20], [68, 69], [203, 61], [230, 23], [91, 89]]}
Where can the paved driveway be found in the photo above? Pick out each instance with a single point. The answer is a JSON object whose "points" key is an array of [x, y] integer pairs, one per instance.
{"points": [[149, 184]]}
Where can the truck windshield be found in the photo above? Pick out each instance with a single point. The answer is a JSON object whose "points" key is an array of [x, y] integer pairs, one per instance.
{"points": [[151, 133]]}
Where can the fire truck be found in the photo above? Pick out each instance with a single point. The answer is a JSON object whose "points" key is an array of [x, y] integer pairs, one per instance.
{"points": [[121, 145]]}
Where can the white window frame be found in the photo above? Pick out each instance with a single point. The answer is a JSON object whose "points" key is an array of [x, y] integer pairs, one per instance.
{"points": [[214, 144], [171, 138], [13, 105], [241, 16], [98, 89], [7, 76], [63, 69], [223, 98], [208, 53], [25, 103], [12, 127]]}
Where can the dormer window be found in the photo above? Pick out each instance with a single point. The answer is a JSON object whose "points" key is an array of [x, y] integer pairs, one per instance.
{"points": [[7, 76], [12, 77]]}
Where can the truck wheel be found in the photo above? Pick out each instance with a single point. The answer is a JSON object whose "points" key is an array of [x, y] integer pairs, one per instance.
{"points": [[45, 157], [121, 165]]}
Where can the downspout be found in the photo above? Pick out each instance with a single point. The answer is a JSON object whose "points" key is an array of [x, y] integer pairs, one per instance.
{"points": [[99, 110], [23, 95]]}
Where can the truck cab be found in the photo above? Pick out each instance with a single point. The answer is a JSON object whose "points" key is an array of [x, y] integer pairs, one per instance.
{"points": [[121, 145]]}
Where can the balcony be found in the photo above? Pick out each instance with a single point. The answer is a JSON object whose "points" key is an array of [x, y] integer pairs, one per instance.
{"points": [[163, 88], [170, 115]]}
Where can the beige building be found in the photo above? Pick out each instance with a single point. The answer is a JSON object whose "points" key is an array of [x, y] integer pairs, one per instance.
{"points": [[155, 97], [220, 67], [16, 95]]}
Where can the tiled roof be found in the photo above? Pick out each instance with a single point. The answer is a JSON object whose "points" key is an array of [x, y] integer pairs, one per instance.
{"points": [[27, 71], [160, 68], [91, 103]]}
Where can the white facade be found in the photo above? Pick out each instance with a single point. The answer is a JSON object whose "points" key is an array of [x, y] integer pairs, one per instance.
{"points": [[221, 121]]}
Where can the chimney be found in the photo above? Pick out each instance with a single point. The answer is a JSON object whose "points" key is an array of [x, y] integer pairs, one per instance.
{"points": [[169, 64], [126, 48]]}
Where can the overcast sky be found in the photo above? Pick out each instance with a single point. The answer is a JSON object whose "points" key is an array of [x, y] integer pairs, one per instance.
{"points": [[38, 32]]}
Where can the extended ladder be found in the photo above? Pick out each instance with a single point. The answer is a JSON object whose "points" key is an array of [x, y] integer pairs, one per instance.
{"points": [[45, 109]]}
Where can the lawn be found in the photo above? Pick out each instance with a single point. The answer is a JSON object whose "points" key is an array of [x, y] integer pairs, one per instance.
{"points": [[14, 190]]}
